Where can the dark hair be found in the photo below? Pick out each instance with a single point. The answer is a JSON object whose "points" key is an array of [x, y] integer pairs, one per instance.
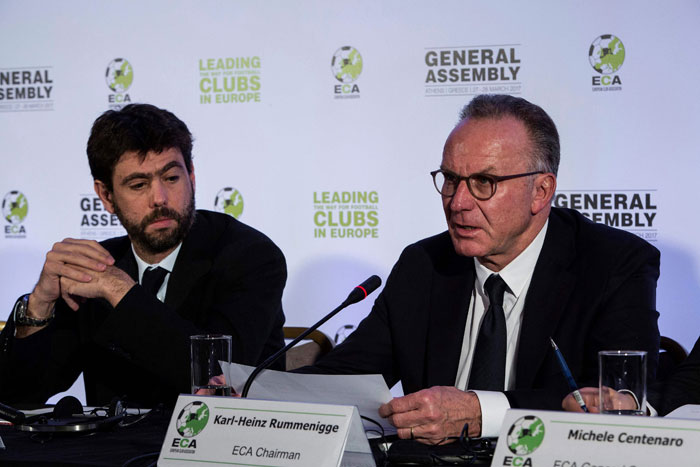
{"points": [[542, 130], [136, 127]]}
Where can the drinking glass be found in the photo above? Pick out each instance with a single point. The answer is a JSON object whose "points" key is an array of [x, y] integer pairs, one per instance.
{"points": [[622, 381], [207, 350]]}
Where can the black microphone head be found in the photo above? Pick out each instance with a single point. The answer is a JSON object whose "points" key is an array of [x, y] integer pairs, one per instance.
{"points": [[361, 291], [11, 414]]}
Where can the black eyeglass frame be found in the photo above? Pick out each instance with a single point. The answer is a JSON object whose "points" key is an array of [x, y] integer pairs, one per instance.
{"points": [[494, 179]]}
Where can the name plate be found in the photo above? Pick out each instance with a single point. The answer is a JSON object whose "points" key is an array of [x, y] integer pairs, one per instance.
{"points": [[249, 432], [562, 439]]}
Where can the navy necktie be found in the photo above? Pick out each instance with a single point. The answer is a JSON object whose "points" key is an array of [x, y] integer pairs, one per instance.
{"points": [[489, 364], [153, 279]]}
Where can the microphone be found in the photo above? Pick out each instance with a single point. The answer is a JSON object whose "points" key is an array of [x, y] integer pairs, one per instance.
{"points": [[361, 291], [11, 414], [357, 294]]}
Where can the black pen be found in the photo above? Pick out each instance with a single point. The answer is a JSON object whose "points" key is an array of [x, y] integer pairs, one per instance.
{"points": [[569, 377]]}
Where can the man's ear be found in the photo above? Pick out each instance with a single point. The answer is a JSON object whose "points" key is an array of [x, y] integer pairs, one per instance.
{"points": [[105, 195], [191, 175], [544, 187]]}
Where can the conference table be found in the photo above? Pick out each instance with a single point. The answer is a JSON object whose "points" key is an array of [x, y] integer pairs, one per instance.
{"points": [[139, 445], [116, 446]]}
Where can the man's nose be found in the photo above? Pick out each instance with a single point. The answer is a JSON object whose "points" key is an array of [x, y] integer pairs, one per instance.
{"points": [[159, 194], [462, 200]]}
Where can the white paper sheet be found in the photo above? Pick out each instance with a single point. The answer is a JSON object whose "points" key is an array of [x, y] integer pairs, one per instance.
{"points": [[687, 412], [367, 392]]}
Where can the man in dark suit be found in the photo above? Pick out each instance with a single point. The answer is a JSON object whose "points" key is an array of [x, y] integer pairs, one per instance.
{"points": [[465, 317], [91, 311]]}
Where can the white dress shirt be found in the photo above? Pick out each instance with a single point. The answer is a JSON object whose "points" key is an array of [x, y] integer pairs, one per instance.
{"points": [[168, 264], [517, 276]]}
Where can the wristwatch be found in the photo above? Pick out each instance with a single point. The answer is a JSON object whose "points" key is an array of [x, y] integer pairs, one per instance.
{"points": [[20, 314]]}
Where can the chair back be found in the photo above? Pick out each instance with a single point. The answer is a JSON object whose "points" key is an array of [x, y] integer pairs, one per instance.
{"points": [[306, 353], [671, 354]]}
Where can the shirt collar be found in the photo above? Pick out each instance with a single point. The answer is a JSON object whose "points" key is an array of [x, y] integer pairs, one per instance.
{"points": [[517, 273], [168, 262]]}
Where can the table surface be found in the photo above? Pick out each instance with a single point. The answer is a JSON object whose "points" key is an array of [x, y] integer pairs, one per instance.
{"points": [[131, 445], [102, 448]]}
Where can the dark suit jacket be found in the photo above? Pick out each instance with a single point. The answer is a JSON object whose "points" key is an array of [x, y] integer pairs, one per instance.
{"points": [[683, 387], [228, 278], [593, 288]]}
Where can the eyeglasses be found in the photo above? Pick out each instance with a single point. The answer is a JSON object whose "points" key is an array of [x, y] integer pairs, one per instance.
{"points": [[481, 186]]}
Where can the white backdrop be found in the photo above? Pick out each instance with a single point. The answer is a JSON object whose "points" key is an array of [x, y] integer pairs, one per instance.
{"points": [[628, 134]]}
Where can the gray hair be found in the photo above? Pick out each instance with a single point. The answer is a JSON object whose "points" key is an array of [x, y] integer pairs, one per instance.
{"points": [[542, 130]]}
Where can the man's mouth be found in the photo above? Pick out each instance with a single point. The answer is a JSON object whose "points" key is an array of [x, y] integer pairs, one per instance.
{"points": [[463, 229], [162, 222]]}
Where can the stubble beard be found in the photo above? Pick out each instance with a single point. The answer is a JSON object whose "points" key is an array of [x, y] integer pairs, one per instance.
{"points": [[158, 242]]}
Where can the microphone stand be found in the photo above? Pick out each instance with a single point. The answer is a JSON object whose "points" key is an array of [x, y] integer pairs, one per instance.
{"points": [[357, 294]]}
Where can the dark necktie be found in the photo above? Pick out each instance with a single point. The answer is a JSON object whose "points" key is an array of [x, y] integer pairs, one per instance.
{"points": [[153, 279], [489, 365]]}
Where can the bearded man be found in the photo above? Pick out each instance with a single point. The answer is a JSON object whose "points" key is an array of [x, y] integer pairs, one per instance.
{"points": [[122, 311]]}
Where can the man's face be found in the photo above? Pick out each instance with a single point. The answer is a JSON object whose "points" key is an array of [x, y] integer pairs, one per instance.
{"points": [[154, 200], [499, 229]]}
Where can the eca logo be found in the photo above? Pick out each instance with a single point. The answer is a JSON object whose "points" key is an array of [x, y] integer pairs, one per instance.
{"points": [[524, 437], [346, 66], [606, 55], [15, 208], [191, 420], [184, 443], [119, 77]]}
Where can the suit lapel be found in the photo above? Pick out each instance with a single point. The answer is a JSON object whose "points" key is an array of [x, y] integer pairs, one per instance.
{"points": [[552, 284], [193, 262], [450, 296], [184, 276]]}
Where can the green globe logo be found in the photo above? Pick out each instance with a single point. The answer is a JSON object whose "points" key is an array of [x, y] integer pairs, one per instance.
{"points": [[119, 75], [229, 201], [607, 53], [346, 64], [526, 435], [192, 419], [15, 207]]}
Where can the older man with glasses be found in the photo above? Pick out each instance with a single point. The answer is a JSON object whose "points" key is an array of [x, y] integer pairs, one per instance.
{"points": [[465, 318]]}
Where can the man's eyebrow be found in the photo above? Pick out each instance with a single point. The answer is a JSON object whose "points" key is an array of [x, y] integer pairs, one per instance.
{"points": [[148, 176], [169, 166], [134, 176], [487, 171], [448, 171]]}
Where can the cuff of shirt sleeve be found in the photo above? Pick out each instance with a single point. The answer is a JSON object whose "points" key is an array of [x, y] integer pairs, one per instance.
{"points": [[493, 409], [651, 411]]}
